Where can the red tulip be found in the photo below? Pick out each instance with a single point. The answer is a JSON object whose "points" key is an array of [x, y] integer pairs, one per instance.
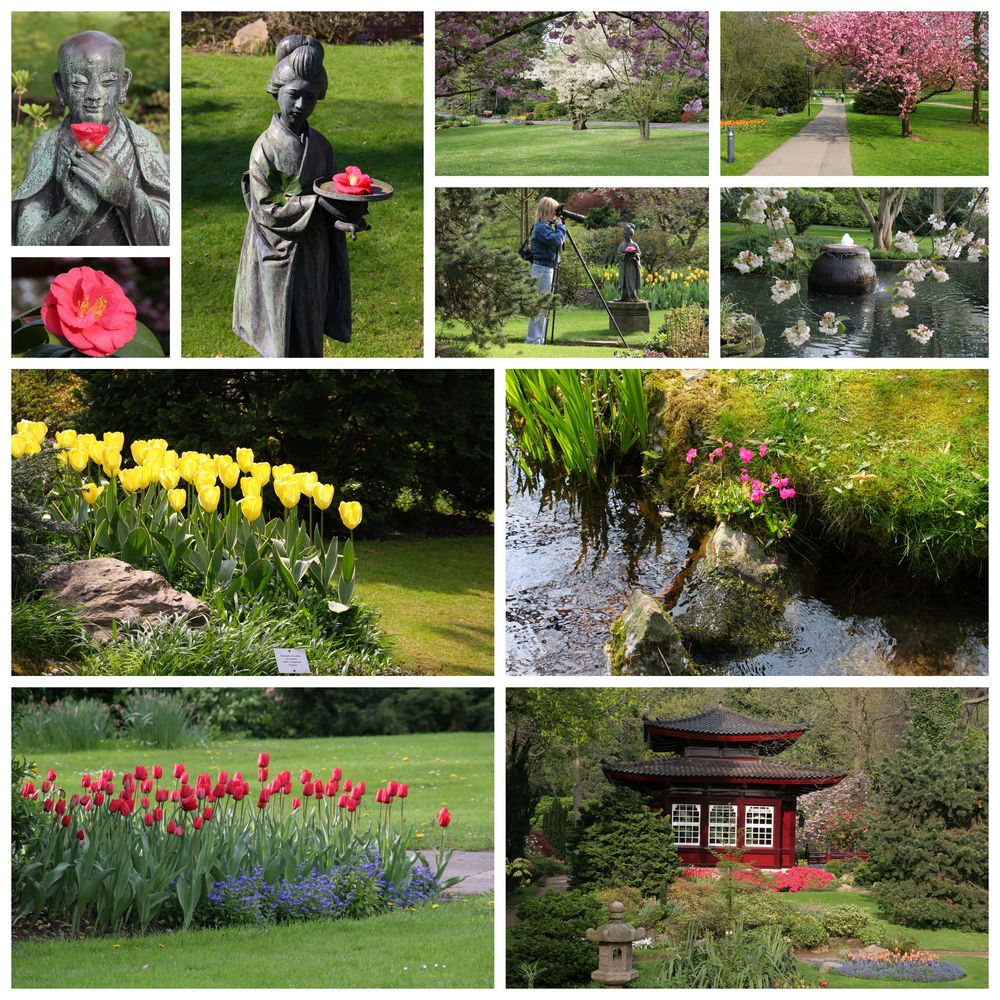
{"points": [[347, 785], [28, 790], [361, 785], [147, 786], [197, 822], [86, 780], [307, 787], [157, 771], [46, 785], [444, 817], [262, 774], [185, 779], [114, 807], [66, 820], [189, 805], [393, 788], [60, 806], [262, 799], [47, 805], [148, 819], [356, 793], [178, 770], [162, 794], [318, 790], [140, 772], [98, 799], [208, 812], [404, 791], [342, 801], [332, 787], [336, 774], [145, 802], [179, 832], [305, 776], [352, 804], [85, 801], [175, 795], [263, 760], [128, 807], [157, 814], [51, 776], [296, 803], [80, 834], [171, 826]]}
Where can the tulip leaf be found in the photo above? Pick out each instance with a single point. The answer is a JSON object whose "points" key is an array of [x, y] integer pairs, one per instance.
{"points": [[143, 345], [28, 336], [137, 546], [347, 569], [346, 589], [258, 575]]}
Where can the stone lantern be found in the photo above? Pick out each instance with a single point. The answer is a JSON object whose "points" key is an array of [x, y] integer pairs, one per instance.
{"points": [[614, 946]]}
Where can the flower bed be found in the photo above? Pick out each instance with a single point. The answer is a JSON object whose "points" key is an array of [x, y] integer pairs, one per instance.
{"points": [[137, 849], [785, 880], [911, 966]]}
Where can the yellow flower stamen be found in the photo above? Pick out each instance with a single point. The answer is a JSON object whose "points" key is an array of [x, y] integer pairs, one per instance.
{"points": [[83, 307]]}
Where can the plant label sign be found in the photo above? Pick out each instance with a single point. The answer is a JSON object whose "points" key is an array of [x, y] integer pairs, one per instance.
{"points": [[291, 661]]}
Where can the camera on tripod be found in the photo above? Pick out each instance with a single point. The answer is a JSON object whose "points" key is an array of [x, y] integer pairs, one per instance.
{"points": [[564, 213]]}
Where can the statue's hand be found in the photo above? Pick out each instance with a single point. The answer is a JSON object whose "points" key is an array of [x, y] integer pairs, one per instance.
{"points": [[104, 175], [80, 195]]}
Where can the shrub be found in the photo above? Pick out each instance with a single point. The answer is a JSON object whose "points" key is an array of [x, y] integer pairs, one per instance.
{"points": [[630, 898], [846, 920], [544, 867], [899, 944], [683, 334], [555, 826], [799, 878], [835, 868], [807, 931], [550, 934], [863, 875], [873, 932], [879, 100], [67, 724], [764, 909], [160, 719], [619, 841], [789, 88]]}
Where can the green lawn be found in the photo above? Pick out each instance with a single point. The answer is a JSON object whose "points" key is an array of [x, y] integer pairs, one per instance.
{"points": [[557, 149], [753, 144], [832, 234], [976, 978], [445, 948], [572, 326], [436, 600], [453, 769], [944, 143], [963, 97], [372, 117]]}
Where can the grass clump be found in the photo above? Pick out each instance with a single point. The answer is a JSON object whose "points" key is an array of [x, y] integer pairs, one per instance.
{"points": [[160, 719], [892, 461], [73, 724]]}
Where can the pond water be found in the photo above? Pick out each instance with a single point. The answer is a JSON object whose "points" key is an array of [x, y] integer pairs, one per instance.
{"points": [[573, 559], [956, 310]]}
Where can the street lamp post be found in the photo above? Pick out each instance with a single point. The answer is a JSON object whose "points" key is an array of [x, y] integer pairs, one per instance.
{"points": [[731, 144]]}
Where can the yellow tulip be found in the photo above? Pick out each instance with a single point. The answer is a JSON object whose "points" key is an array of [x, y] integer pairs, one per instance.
{"points": [[170, 459], [62, 457], [282, 471], [209, 498], [114, 439], [169, 478], [177, 499], [131, 479], [154, 463], [251, 507], [350, 514], [65, 439], [249, 486], [229, 474], [187, 465], [307, 481], [97, 451], [219, 461], [157, 444], [112, 462], [244, 459], [145, 475], [34, 429], [91, 491], [261, 471], [79, 458], [18, 442], [203, 480], [288, 492], [322, 495], [138, 449]]}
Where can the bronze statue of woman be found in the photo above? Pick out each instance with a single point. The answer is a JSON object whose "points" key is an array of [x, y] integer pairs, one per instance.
{"points": [[629, 267], [293, 286]]}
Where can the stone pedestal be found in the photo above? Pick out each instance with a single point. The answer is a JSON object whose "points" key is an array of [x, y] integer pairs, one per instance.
{"points": [[631, 317], [614, 948]]}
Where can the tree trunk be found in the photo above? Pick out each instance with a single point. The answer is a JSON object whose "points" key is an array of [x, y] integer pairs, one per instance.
{"points": [[977, 55], [579, 121], [907, 126], [644, 128], [890, 204], [576, 771]]}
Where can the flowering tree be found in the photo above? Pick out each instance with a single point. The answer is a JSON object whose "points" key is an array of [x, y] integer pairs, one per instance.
{"points": [[643, 51], [916, 53], [577, 77], [830, 812]]}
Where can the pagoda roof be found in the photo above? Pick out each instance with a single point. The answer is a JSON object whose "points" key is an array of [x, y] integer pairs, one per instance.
{"points": [[721, 725], [702, 770]]}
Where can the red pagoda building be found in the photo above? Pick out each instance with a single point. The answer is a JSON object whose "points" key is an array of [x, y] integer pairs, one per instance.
{"points": [[724, 791]]}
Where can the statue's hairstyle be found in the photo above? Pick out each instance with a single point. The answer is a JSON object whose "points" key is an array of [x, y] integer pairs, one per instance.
{"points": [[298, 57], [546, 209], [629, 230]]}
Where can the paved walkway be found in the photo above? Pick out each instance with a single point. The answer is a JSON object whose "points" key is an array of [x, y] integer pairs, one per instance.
{"points": [[820, 149], [475, 869]]}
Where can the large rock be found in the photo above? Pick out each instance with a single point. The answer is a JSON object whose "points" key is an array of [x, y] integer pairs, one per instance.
{"points": [[729, 547], [106, 591], [644, 641], [252, 38]]}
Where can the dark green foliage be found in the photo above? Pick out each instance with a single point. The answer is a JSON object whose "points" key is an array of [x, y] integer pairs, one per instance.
{"points": [[806, 931], [161, 719], [42, 630], [522, 794], [879, 100], [388, 439], [51, 395], [808, 247], [619, 841], [550, 931], [64, 724], [935, 715], [809, 207], [601, 217], [929, 849], [555, 826], [477, 282], [22, 815], [863, 875], [788, 88]]}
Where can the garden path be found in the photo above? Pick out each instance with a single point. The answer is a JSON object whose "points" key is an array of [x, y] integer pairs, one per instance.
{"points": [[820, 149], [475, 869]]}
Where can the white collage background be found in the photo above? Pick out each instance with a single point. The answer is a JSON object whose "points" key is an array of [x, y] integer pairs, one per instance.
{"points": [[326, 978]]}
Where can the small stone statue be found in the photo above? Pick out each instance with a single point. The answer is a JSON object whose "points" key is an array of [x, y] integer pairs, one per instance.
{"points": [[114, 191], [293, 285], [629, 266]]}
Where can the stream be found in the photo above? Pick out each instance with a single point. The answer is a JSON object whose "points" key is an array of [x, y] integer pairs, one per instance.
{"points": [[574, 557]]}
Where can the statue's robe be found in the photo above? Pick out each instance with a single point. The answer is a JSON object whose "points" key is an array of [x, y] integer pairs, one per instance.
{"points": [[629, 273], [146, 222], [293, 285]]}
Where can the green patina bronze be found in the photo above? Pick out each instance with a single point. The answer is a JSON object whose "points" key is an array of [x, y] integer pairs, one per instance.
{"points": [[117, 195], [629, 267]]}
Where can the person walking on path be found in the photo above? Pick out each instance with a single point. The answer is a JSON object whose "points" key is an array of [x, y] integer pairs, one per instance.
{"points": [[820, 149]]}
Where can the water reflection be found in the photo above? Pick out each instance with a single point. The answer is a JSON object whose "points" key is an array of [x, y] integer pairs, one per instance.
{"points": [[956, 310]]}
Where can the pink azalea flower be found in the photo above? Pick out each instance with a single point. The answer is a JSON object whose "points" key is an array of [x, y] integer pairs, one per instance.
{"points": [[691, 455], [746, 455], [786, 494], [762, 449]]}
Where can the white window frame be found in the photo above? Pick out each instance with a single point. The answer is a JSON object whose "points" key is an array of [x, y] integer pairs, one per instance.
{"points": [[686, 825], [728, 827], [758, 826]]}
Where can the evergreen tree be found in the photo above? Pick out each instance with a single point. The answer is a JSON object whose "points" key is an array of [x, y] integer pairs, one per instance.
{"points": [[930, 845], [477, 283], [620, 842]]}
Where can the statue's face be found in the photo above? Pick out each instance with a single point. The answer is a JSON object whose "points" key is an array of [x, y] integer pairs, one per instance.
{"points": [[296, 102], [92, 80]]}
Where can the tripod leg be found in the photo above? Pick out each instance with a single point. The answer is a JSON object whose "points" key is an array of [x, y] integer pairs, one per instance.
{"points": [[550, 323], [597, 289]]}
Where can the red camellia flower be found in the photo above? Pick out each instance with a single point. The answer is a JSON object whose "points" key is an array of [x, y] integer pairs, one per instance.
{"points": [[89, 310], [352, 181], [89, 135], [444, 817]]}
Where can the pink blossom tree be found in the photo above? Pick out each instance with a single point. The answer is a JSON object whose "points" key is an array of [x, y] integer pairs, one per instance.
{"points": [[917, 54]]}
